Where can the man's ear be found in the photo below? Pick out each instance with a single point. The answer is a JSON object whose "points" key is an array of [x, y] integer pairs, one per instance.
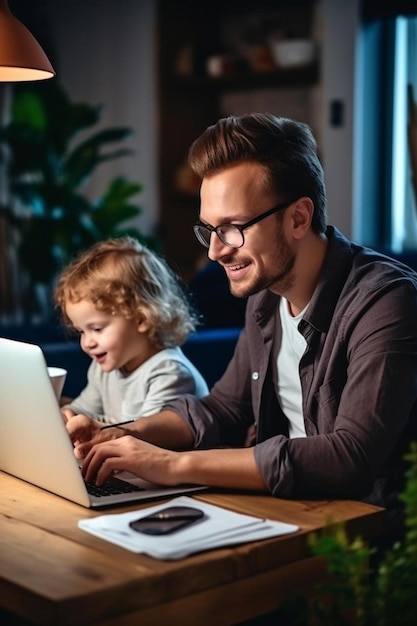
{"points": [[302, 215]]}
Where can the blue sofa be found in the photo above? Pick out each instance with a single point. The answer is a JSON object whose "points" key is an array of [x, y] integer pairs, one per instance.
{"points": [[210, 350]]}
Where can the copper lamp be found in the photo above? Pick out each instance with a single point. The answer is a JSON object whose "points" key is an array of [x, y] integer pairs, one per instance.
{"points": [[21, 56]]}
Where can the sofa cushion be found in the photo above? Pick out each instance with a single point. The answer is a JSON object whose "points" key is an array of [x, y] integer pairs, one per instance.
{"points": [[210, 351]]}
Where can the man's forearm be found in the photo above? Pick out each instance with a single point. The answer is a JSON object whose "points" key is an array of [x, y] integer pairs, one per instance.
{"points": [[165, 429], [230, 468]]}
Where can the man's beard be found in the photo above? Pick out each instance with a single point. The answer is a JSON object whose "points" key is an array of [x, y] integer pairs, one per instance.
{"points": [[280, 280]]}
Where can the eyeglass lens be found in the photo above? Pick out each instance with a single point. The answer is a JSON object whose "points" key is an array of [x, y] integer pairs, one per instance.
{"points": [[228, 234]]}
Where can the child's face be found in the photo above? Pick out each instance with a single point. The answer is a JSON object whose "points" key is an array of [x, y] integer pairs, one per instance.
{"points": [[111, 340]]}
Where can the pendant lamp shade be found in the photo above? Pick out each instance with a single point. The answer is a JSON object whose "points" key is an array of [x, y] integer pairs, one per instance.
{"points": [[21, 56]]}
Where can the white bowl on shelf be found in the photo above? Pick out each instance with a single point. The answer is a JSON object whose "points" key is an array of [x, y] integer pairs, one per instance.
{"points": [[293, 52]]}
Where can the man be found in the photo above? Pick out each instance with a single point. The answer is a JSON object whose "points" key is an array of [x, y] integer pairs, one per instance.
{"points": [[325, 370]]}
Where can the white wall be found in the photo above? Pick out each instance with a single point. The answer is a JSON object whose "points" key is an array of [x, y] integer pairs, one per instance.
{"points": [[105, 55]]}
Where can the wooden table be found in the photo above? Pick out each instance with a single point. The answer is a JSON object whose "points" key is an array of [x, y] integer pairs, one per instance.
{"points": [[53, 573]]}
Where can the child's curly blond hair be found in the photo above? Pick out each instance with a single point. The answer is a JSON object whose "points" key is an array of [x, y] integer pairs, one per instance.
{"points": [[123, 277]]}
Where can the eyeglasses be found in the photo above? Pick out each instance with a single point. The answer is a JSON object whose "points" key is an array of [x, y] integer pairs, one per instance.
{"points": [[231, 234]]}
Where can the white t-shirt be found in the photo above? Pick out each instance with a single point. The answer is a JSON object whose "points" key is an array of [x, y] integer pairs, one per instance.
{"points": [[286, 369], [113, 397]]}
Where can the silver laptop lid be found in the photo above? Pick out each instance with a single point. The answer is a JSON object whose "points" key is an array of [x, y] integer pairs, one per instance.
{"points": [[34, 443]]}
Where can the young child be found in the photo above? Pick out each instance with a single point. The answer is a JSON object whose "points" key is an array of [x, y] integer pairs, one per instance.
{"points": [[132, 315]]}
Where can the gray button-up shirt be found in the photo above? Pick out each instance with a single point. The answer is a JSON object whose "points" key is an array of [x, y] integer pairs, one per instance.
{"points": [[358, 377]]}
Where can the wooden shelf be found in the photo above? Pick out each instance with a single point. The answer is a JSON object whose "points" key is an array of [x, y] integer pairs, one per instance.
{"points": [[188, 103], [305, 76]]}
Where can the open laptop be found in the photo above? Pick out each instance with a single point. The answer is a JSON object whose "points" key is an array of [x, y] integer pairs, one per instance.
{"points": [[34, 443]]}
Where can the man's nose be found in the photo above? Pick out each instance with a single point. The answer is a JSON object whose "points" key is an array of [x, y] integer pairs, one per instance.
{"points": [[217, 248]]}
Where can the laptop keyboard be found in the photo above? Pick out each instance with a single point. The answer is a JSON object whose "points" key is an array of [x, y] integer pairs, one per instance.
{"points": [[111, 487]]}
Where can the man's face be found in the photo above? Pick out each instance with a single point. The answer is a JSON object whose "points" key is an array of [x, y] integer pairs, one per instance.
{"points": [[266, 259]]}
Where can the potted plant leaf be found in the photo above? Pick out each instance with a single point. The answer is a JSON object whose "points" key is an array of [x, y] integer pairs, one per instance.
{"points": [[362, 590], [50, 157]]}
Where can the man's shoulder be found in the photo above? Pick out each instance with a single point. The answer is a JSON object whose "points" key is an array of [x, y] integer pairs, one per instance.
{"points": [[377, 269], [366, 265], [355, 279]]}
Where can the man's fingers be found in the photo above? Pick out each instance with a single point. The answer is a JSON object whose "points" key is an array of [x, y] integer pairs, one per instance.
{"points": [[100, 461]]}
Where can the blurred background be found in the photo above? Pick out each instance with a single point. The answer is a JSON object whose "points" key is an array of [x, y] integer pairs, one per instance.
{"points": [[101, 148]]}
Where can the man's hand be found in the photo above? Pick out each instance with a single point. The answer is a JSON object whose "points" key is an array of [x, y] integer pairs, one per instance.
{"points": [[133, 455], [232, 468]]}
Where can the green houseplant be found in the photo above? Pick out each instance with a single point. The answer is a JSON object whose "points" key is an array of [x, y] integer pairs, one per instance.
{"points": [[360, 594], [51, 149]]}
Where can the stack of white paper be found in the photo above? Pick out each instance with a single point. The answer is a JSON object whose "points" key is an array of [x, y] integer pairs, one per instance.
{"points": [[218, 528]]}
